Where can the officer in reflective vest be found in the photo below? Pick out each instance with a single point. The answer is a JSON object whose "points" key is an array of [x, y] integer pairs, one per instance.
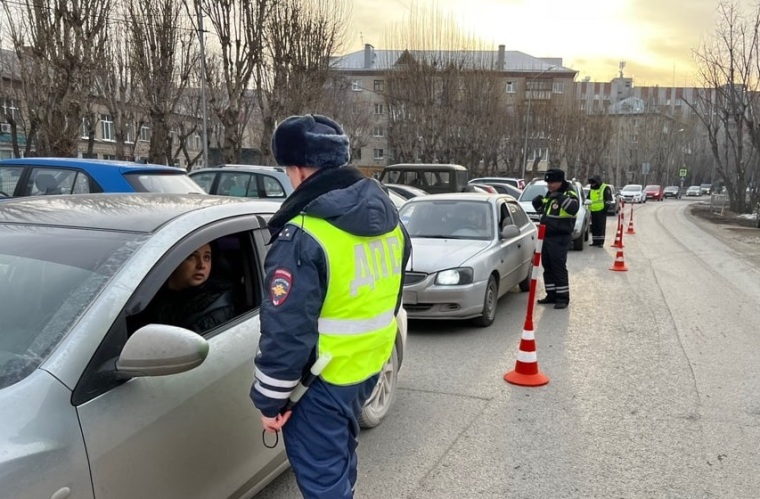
{"points": [[600, 195], [334, 277], [558, 209]]}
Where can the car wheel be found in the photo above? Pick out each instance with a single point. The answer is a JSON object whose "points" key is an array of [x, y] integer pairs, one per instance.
{"points": [[379, 403], [489, 304], [525, 283], [578, 242]]}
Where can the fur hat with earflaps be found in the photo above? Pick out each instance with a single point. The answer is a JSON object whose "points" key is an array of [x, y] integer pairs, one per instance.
{"points": [[310, 140]]}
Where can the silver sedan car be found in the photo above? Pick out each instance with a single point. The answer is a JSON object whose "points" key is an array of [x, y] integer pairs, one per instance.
{"points": [[469, 249], [96, 404]]}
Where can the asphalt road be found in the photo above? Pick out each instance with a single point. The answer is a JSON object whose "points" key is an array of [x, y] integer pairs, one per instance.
{"points": [[654, 385]]}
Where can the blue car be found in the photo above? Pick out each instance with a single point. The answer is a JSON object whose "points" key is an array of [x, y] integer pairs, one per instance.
{"points": [[46, 176]]}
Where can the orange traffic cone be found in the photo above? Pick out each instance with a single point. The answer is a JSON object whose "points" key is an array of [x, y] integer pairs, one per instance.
{"points": [[619, 264], [618, 235], [630, 223], [526, 371]]}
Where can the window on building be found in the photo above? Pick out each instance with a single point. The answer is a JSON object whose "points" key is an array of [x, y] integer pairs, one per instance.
{"points": [[107, 127], [378, 85], [378, 154], [379, 109], [558, 87], [10, 108], [356, 85], [511, 87], [356, 154], [129, 133], [85, 128], [197, 141], [378, 131], [109, 157], [144, 133]]}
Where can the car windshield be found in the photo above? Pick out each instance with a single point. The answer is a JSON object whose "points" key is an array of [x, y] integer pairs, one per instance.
{"points": [[48, 278], [632, 188], [449, 219], [164, 182], [652, 188], [532, 191], [671, 188]]}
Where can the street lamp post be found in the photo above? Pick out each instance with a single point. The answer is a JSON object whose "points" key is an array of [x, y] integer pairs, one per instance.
{"points": [[527, 118]]}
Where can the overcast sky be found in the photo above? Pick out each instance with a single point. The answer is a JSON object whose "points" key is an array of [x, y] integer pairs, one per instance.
{"points": [[654, 37]]}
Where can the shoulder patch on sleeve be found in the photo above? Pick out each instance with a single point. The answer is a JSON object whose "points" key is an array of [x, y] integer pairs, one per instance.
{"points": [[279, 288]]}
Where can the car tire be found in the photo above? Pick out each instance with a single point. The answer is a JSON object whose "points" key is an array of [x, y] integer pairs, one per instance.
{"points": [[525, 283], [379, 403], [490, 302], [578, 242]]}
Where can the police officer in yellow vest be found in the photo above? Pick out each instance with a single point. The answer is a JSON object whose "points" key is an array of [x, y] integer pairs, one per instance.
{"points": [[334, 275], [558, 209], [600, 195]]}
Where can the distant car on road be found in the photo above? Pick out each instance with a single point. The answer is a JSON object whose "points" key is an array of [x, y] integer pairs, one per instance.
{"points": [[654, 192], [469, 249], [671, 191], [499, 187], [433, 178], [706, 188], [517, 182], [693, 190], [22, 177], [245, 181], [633, 193], [406, 191]]}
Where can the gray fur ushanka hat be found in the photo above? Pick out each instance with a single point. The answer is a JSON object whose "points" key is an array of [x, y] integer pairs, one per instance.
{"points": [[310, 140]]}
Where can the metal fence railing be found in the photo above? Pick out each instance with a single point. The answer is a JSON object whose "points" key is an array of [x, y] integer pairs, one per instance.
{"points": [[718, 203]]}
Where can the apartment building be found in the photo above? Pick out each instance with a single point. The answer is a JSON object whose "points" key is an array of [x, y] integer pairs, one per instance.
{"points": [[102, 145], [527, 81]]}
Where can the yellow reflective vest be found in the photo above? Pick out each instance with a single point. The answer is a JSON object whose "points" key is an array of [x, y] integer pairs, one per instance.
{"points": [[357, 323], [597, 198]]}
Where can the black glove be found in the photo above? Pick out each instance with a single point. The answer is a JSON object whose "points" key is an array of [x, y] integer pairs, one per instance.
{"points": [[537, 202]]}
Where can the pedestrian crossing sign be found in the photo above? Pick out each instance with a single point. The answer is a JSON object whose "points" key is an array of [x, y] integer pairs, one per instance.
{"points": [[682, 172]]}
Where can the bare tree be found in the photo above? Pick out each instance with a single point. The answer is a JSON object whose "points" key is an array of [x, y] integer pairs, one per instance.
{"points": [[164, 52], [300, 37], [239, 29], [729, 68], [57, 43], [444, 95]]}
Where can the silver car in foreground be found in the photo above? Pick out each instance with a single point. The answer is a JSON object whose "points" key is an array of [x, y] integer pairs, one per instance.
{"points": [[96, 404], [469, 249]]}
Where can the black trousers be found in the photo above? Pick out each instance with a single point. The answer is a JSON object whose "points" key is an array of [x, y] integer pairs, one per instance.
{"points": [[598, 227], [554, 260]]}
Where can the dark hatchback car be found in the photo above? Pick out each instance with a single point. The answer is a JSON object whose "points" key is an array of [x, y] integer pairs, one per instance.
{"points": [[432, 178], [47, 176]]}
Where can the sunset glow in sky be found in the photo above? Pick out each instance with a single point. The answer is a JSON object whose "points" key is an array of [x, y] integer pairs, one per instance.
{"points": [[655, 37]]}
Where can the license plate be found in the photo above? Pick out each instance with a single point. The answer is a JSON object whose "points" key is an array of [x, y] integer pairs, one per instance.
{"points": [[410, 297]]}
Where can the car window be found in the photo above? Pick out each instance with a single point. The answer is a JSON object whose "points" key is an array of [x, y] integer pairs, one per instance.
{"points": [[205, 180], [9, 177], [50, 181], [504, 216], [272, 187], [532, 191], [163, 182], [518, 214], [449, 219], [48, 278], [233, 184], [230, 290]]}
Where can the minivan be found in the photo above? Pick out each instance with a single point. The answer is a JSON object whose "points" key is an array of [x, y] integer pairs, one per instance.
{"points": [[431, 178]]}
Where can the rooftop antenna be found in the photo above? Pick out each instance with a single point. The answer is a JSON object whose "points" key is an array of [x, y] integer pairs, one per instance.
{"points": [[622, 67]]}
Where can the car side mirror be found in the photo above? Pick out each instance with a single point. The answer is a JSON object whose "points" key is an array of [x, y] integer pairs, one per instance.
{"points": [[161, 350], [510, 231], [587, 202]]}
